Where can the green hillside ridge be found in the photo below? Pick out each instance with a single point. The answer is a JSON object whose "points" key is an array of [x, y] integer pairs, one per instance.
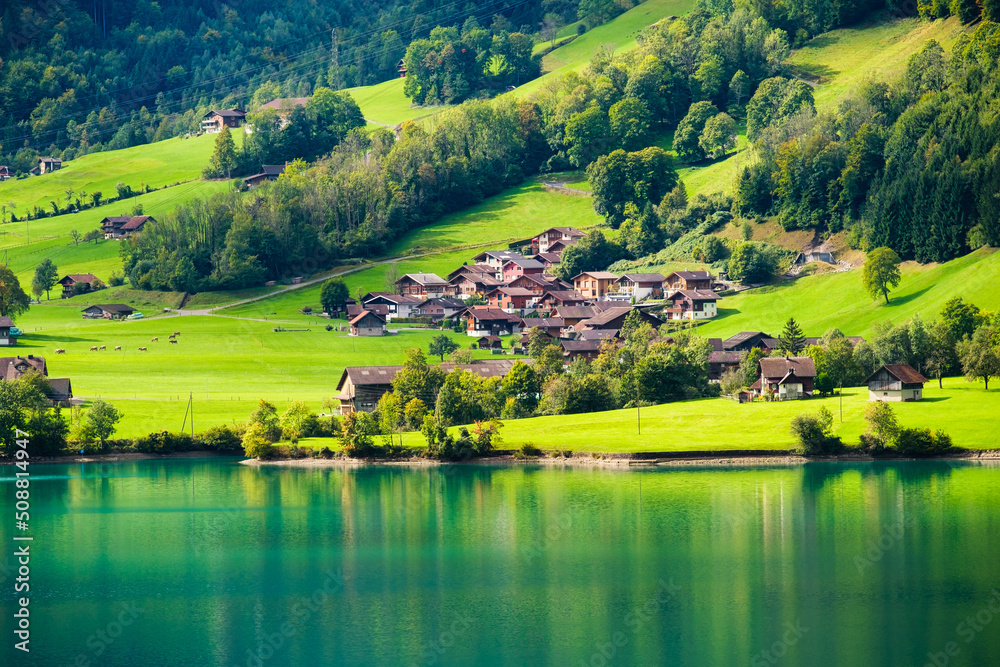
{"points": [[385, 103]]}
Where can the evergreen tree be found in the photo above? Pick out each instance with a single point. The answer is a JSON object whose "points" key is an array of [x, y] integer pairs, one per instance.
{"points": [[224, 155], [792, 341]]}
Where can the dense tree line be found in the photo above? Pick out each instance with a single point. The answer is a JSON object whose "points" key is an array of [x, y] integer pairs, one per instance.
{"points": [[78, 76]]}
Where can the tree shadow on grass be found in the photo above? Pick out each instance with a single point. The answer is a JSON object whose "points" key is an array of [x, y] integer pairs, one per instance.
{"points": [[935, 399], [907, 298]]}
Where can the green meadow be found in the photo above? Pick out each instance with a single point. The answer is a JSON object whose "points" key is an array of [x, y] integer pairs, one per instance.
{"points": [[386, 104]]}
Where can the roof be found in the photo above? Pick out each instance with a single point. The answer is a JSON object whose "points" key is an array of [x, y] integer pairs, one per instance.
{"points": [[587, 345], [354, 309], [472, 269], [692, 275], [742, 337], [424, 279], [6, 321], [50, 159], [695, 295], [367, 313], [113, 308], [777, 368], [445, 302], [513, 291], [490, 313], [490, 339], [9, 370], [612, 314], [115, 220], [524, 263], [643, 278], [391, 298], [902, 372], [544, 322], [564, 295], [226, 113], [599, 275], [716, 344], [550, 257], [272, 169], [498, 254], [720, 357], [78, 277], [285, 102], [577, 312], [569, 231], [136, 222], [599, 334], [61, 389]]}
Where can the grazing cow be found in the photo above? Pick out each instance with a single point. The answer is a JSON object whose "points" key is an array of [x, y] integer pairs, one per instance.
{"points": [[103, 347], [60, 350], [118, 347], [93, 349], [142, 349], [177, 333], [172, 340], [155, 339]]}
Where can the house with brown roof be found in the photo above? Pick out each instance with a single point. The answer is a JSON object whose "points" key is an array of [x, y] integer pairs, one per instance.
{"points": [[896, 382], [692, 305], [548, 259], [553, 299], [11, 368], [284, 107], [470, 284], [268, 172], [785, 378], [567, 236], [472, 269], [512, 299], [594, 284], [107, 311], [47, 164], [395, 305], [440, 308], [361, 387], [521, 266], [123, 226], [640, 286], [720, 361], [214, 121], [426, 285], [553, 326], [573, 315], [536, 284], [581, 349], [76, 283], [6, 172], [748, 340], [367, 323], [688, 280], [614, 318], [490, 321]]}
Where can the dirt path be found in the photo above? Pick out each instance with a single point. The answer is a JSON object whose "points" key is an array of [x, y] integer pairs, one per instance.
{"points": [[562, 185]]}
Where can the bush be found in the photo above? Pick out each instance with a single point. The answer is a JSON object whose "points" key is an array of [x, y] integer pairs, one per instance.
{"points": [[257, 443], [326, 453], [813, 432], [164, 442], [329, 327], [116, 279], [922, 442], [220, 438], [528, 451]]}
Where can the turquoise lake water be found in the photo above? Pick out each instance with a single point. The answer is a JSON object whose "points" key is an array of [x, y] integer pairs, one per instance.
{"points": [[208, 562]]}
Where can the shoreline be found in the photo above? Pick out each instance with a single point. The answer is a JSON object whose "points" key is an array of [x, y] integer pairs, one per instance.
{"points": [[626, 460]]}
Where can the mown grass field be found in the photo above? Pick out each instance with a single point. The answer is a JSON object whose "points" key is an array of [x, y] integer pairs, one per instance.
{"points": [[963, 410], [385, 103], [158, 164], [838, 299]]}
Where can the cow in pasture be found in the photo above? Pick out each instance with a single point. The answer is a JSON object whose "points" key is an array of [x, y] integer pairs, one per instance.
{"points": [[118, 347], [172, 340], [156, 338], [59, 350], [177, 333], [142, 349], [93, 349], [103, 347]]}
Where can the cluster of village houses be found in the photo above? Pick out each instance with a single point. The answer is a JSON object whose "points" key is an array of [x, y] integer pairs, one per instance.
{"points": [[580, 316]]}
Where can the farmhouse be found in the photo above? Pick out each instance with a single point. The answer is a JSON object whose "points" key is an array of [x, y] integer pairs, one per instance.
{"points": [[6, 340], [11, 368], [76, 283], [472, 269], [119, 226], [438, 309], [553, 326], [355, 309], [896, 382], [748, 340], [512, 299], [573, 315], [640, 286], [581, 349], [47, 164], [268, 172], [469, 284], [599, 334], [367, 323], [565, 235], [284, 107], [520, 266], [214, 121], [6, 172], [786, 378], [689, 280], [490, 321], [107, 311], [719, 362], [692, 305], [614, 318], [594, 284], [559, 299], [538, 284], [426, 285], [361, 387], [392, 305], [548, 259]]}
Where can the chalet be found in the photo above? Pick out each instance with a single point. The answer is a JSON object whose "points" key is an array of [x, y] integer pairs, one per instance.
{"points": [[567, 236], [427, 285], [107, 311], [47, 164], [76, 283], [535, 283], [11, 368], [559, 299], [470, 284], [559, 246], [284, 107], [6, 340], [214, 121], [553, 326], [688, 280], [401, 68], [122, 226], [395, 305], [614, 318], [472, 269], [581, 349], [692, 305], [512, 299], [548, 259], [640, 286], [489, 343], [785, 378], [268, 172], [354, 309], [361, 387], [520, 266], [491, 321], [896, 382], [748, 340], [719, 362], [496, 259], [438, 309], [6, 172], [367, 323], [573, 315], [594, 284]]}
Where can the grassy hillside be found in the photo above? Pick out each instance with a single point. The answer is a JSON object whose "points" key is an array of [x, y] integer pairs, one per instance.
{"points": [[838, 299], [158, 164], [621, 32], [385, 103]]}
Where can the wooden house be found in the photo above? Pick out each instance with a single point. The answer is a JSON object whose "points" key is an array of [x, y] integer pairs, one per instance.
{"points": [[512, 299], [520, 266], [215, 120], [566, 236], [47, 164], [60, 389], [553, 326], [748, 340], [896, 382], [107, 311], [395, 305], [76, 283], [594, 284], [720, 361], [640, 286], [692, 305], [426, 285], [468, 285], [614, 318], [123, 226], [440, 308], [284, 107], [785, 378], [581, 349], [554, 299], [548, 259], [268, 172], [6, 172], [491, 321], [367, 323], [688, 280], [489, 343]]}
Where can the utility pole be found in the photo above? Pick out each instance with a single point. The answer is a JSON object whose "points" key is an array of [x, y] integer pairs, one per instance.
{"points": [[841, 401], [335, 58]]}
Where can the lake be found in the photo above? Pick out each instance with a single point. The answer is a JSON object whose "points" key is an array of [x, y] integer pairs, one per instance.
{"points": [[208, 562]]}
